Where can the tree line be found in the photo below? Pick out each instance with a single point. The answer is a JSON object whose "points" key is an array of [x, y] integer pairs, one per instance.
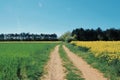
{"points": [[81, 34], [28, 37]]}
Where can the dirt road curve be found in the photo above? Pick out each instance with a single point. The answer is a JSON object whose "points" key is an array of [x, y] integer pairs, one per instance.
{"points": [[54, 68], [88, 72]]}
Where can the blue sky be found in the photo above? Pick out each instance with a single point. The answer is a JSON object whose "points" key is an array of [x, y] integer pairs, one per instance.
{"points": [[57, 16]]}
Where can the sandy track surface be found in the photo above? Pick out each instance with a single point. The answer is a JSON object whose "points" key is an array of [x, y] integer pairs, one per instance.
{"points": [[55, 70], [88, 72]]}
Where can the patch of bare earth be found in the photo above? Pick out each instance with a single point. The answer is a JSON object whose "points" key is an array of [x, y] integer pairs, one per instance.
{"points": [[55, 70], [88, 72]]}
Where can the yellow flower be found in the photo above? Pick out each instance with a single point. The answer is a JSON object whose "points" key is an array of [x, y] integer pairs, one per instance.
{"points": [[111, 49]]}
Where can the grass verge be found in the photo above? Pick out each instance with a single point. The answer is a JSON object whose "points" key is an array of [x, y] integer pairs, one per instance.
{"points": [[72, 73]]}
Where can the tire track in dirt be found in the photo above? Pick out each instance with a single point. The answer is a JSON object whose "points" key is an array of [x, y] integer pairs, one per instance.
{"points": [[55, 70], [88, 72]]}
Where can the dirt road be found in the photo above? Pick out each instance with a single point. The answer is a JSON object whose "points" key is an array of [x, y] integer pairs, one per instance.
{"points": [[88, 72], [54, 67]]}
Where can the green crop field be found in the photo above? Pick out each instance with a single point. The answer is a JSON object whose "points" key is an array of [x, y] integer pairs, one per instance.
{"points": [[28, 61], [23, 61]]}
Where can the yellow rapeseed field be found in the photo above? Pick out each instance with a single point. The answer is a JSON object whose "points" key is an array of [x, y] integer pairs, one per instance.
{"points": [[108, 49]]}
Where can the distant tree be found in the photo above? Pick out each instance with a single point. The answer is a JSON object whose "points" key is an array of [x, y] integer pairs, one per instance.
{"points": [[1, 37], [90, 35], [67, 37], [100, 34], [80, 34], [53, 36], [112, 34]]}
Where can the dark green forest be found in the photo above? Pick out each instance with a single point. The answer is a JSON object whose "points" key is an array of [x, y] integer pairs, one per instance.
{"points": [[81, 34]]}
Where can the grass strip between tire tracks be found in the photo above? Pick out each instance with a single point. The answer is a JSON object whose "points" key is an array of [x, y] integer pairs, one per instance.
{"points": [[72, 73]]}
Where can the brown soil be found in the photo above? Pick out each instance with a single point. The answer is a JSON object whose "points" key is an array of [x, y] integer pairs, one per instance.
{"points": [[88, 72], [55, 70]]}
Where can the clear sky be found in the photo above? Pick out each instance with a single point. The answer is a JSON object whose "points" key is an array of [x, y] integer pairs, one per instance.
{"points": [[57, 16]]}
